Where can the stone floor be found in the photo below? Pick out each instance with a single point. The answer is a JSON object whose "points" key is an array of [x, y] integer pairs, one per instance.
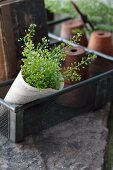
{"points": [[76, 144]]}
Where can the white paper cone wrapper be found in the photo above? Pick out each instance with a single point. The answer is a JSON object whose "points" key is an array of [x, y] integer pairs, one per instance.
{"points": [[21, 92]]}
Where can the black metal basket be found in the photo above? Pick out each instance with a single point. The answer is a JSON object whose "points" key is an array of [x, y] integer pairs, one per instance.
{"points": [[19, 121]]}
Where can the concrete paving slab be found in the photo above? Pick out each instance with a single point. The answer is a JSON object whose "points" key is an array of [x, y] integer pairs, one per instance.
{"points": [[76, 144]]}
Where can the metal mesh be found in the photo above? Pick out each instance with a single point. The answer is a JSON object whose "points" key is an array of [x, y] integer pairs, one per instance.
{"points": [[4, 121], [61, 108], [67, 105]]}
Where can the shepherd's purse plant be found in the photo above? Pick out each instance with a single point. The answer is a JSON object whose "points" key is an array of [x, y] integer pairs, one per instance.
{"points": [[41, 66]]}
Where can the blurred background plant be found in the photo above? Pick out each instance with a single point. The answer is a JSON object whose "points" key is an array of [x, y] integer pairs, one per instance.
{"points": [[100, 12]]}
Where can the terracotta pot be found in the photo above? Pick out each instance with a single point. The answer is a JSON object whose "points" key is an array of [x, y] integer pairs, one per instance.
{"points": [[79, 97], [68, 28], [100, 41], [75, 55]]}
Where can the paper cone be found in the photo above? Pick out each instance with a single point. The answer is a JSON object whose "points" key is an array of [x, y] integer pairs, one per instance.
{"points": [[21, 92]]}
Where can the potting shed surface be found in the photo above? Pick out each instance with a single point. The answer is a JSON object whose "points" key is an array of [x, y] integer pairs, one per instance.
{"points": [[76, 144]]}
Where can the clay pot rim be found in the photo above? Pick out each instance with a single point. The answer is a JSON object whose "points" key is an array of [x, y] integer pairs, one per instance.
{"points": [[74, 51], [73, 24], [102, 34]]}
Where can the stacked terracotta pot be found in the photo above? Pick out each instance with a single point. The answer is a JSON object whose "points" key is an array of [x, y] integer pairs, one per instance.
{"points": [[101, 41], [79, 97], [68, 28]]}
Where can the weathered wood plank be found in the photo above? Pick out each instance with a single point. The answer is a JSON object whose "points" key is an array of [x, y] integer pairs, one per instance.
{"points": [[8, 43], [15, 18]]}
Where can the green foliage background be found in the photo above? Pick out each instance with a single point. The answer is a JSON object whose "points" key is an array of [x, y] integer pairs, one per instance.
{"points": [[98, 11]]}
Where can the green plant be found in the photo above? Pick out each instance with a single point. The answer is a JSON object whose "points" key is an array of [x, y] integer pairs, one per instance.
{"points": [[42, 66], [99, 12]]}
